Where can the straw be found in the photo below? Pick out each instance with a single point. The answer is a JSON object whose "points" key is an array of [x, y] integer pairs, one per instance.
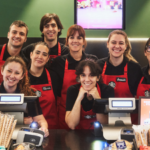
{"points": [[13, 127]]}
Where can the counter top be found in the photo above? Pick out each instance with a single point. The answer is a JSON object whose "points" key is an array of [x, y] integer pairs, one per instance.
{"points": [[60, 139]]}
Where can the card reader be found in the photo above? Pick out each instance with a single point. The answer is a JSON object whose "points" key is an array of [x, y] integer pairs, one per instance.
{"points": [[26, 134], [127, 134]]}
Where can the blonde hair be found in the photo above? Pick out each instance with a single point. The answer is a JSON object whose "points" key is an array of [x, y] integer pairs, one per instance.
{"points": [[127, 52], [24, 84]]}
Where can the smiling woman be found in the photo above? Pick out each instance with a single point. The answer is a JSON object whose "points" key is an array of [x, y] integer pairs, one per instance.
{"points": [[12, 74], [80, 97], [65, 66], [45, 81], [15, 80], [120, 69], [39, 56]]}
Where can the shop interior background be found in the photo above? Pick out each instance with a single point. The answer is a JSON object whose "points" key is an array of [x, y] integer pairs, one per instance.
{"points": [[137, 23]]}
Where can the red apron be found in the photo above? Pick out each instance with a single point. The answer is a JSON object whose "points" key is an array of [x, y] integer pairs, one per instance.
{"points": [[47, 102], [2, 61], [69, 79], [143, 89], [59, 52], [120, 85], [87, 117]]}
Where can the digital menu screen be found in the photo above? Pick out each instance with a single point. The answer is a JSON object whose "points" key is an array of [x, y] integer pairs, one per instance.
{"points": [[100, 14], [145, 111]]}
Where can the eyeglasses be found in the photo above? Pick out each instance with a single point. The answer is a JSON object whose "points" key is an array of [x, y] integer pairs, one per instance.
{"points": [[148, 48]]}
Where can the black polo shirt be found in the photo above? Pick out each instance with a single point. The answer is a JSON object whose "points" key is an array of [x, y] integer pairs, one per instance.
{"points": [[72, 94], [43, 79], [134, 72], [58, 65], [53, 51], [6, 54], [146, 79], [31, 106]]}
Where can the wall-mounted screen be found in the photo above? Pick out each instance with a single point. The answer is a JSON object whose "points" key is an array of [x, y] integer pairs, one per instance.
{"points": [[100, 14]]}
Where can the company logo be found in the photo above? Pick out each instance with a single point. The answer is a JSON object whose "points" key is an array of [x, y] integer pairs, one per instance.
{"points": [[32, 140], [112, 84], [121, 145], [89, 116], [121, 79], [38, 93], [46, 88], [147, 94]]}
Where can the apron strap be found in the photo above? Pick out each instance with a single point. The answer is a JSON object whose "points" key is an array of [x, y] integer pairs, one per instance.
{"points": [[98, 88], [59, 49], [2, 52], [66, 64], [141, 80], [48, 76], [104, 68], [125, 69]]}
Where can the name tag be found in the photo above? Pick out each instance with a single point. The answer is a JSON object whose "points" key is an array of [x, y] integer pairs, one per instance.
{"points": [[46, 88], [121, 79]]}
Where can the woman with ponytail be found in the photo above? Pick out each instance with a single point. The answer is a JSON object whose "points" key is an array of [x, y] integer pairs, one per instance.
{"points": [[120, 69]]}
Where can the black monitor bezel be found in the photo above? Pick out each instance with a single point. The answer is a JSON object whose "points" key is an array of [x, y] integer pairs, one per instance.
{"points": [[20, 107]]}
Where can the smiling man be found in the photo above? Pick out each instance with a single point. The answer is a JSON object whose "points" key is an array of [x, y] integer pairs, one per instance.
{"points": [[50, 27], [17, 35]]}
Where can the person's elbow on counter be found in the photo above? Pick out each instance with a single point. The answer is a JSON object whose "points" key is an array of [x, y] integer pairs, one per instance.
{"points": [[70, 121], [71, 126]]}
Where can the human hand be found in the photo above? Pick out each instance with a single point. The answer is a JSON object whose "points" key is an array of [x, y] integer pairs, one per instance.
{"points": [[28, 120], [81, 94], [45, 130], [94, 93]]}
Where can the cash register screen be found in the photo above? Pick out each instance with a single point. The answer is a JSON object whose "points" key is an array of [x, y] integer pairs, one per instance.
{"points": [[10, 98], [144, 115], [122, 103]]}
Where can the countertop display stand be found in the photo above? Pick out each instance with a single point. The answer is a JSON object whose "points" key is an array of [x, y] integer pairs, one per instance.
{"points": [[117, 119]]}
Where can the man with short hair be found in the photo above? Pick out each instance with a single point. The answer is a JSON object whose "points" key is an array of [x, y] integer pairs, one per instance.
{"points": [[17, 35], [51, 27]]}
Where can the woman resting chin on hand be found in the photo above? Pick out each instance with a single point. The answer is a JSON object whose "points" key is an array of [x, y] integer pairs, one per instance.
{"points": [[15, 80], [80, 97]]}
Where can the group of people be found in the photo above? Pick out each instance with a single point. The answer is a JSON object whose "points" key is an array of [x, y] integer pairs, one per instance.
{"points": [[65, 78]]}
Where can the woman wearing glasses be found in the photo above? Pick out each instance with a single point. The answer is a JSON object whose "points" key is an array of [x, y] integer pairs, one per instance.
{"points": [[144, 85]]}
